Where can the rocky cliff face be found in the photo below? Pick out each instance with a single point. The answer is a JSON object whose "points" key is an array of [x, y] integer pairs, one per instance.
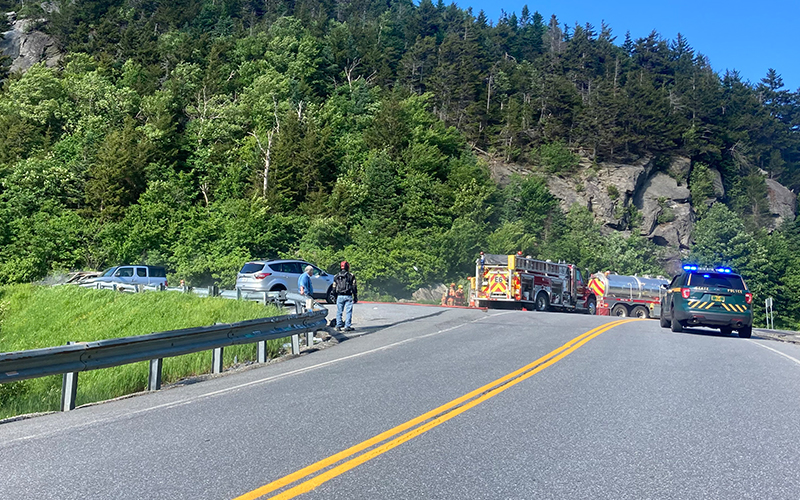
{"points": [[782, 202], [661, 196], [27, 46]]}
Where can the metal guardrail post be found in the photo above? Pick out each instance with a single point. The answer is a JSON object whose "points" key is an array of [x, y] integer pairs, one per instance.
{"points": [[216, 360], [262, 351], [154, 379], [295, 344], [310, 339], [265, 298], [69, 389], [238, 294]]}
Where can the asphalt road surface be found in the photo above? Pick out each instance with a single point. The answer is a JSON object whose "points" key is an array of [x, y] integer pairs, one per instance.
{"points": [[428, 402]]}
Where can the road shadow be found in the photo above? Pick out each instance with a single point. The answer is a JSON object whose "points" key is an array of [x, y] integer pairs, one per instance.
{"points": [[366, 330], [708, 332]]}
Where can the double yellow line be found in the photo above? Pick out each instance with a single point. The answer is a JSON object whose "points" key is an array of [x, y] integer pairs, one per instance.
{"points": [[418, 425]]}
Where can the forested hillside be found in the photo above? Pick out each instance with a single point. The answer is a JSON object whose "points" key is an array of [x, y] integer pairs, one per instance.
{"points": [[197, 134]]}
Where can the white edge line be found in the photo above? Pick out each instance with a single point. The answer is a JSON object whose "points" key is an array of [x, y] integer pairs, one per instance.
{"points": [[192, 399], [776, 351]]}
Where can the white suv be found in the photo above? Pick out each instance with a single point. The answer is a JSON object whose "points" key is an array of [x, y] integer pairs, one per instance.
{"points": [[276, 275]]}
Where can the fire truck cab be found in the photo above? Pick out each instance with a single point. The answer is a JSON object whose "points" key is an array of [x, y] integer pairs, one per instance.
{"points": [[530, 283]]}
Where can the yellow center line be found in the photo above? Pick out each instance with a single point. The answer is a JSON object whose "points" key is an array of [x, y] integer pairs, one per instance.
{"points": [[442, 414]]}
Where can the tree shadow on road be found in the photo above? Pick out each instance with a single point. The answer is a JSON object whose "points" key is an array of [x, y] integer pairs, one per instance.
{"points": [[366, 330]]}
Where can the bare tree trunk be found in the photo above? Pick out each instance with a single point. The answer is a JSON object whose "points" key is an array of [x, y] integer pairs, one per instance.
{"points": [[267, 154], [489, 93]]}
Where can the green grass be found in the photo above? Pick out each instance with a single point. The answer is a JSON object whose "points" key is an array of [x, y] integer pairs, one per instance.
{"points": [[37, 316]]}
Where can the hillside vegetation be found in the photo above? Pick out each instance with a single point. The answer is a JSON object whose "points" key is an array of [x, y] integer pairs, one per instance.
{"points": [[34, 317], [197, 134]]}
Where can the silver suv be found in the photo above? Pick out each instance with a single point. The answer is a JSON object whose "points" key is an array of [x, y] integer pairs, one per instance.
{"points": [[276, 275], [133, 275]]}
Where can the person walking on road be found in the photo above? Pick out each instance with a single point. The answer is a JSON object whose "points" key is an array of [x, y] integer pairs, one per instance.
{"points": [[344, 285]]}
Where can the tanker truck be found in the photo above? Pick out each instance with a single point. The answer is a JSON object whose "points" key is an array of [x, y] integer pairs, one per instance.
{"points": [[617, 295]]}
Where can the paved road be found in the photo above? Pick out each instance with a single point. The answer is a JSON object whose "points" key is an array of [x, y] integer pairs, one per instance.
{"points": [[634, 411]]}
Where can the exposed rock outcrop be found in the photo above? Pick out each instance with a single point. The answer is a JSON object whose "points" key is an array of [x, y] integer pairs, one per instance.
{"points": [[668, 217], [603, 191], [782, 202], [679, 168], [27, 46], [661, 195], [430, 294]]}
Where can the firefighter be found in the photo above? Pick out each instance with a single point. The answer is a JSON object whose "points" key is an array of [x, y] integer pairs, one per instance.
{"points": [[448, 299], [459, 296]]}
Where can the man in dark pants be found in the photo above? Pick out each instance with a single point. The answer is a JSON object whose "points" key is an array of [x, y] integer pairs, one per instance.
{"points": [[344, 285]]}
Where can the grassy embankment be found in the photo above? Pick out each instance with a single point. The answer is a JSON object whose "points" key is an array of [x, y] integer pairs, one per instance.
{"points": [[36, 316]]}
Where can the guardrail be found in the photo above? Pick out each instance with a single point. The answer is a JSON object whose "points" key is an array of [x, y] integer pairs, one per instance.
{"points": [[278, 297], [74, 358]]}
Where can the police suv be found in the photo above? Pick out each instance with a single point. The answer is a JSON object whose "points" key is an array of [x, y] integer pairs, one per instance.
{"points": [[712, 297]]}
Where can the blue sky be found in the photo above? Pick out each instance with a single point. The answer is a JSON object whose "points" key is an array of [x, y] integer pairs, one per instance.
{"points": [[750, 37]]}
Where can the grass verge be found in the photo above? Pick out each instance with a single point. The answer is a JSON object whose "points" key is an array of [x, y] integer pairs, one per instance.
{"points": [[37, 316]]}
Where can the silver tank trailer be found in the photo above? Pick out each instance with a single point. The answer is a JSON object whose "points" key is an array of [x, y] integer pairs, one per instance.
{"points": [[633, 287]]}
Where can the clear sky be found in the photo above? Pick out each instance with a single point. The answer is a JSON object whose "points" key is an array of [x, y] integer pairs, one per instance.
{"points": [[749, 36]]}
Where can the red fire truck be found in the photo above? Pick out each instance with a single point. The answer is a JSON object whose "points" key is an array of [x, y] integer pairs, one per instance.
{"points": [[530, 283]]}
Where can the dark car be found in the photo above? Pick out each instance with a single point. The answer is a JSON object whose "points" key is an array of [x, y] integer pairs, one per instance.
{"points": [[712, 297]]}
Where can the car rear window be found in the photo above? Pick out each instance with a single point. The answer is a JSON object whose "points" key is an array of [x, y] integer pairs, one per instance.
{"points": [[251, 267], [292, 267], [716, 280], [158, 272]]}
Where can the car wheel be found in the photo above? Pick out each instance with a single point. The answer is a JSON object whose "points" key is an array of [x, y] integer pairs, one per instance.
{"points": [[746, 332], [542, 302], [726, 330], [664, 321], [592, 307], [620, 311], [640, 312], [330, 297], [277, 288], [677, 327]]}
